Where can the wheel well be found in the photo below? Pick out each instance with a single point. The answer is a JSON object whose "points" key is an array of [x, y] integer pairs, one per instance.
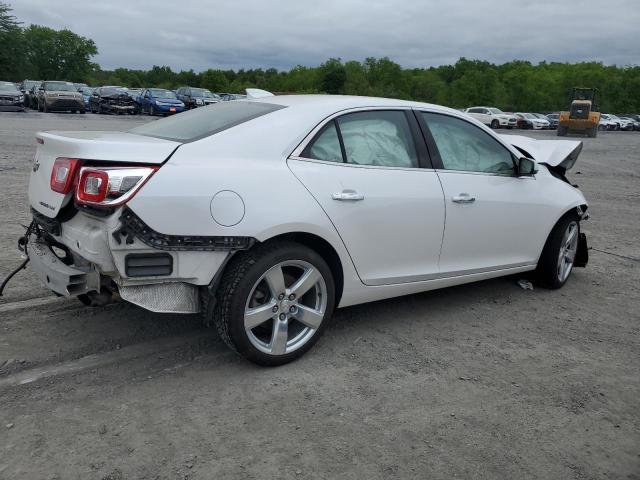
{"points": [[325, 249]]}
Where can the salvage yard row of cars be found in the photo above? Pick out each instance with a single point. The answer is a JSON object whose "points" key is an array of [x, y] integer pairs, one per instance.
{"points": [[78, 97], [496, 118], [46, 96]]}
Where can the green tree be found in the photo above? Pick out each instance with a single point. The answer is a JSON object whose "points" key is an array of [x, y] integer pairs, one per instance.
{"points": [[57, 55], [11, 60], [333, 76]]}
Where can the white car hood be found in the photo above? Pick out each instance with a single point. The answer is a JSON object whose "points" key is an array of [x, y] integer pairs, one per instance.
{"points": [[555, 153]]}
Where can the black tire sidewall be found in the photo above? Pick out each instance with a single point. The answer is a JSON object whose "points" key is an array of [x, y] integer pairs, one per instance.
{"points": [[546, 271], [255, 264]]}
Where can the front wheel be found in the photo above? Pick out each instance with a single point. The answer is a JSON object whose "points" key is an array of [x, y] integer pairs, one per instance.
{"points": [[495, 124], [559, 253], [273, 302]]}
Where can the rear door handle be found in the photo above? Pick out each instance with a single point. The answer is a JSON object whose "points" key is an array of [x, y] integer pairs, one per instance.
{"points": [[348, 196], [463, 198]]}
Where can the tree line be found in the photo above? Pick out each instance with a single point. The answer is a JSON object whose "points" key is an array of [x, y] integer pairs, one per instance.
{"points": [[38, 52]]}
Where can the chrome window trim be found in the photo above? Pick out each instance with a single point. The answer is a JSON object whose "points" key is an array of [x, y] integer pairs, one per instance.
{"points": [[355, 165]]}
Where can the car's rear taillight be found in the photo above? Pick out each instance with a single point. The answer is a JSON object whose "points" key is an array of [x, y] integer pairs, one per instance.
{"points": [[110, 186], [63, 174]]}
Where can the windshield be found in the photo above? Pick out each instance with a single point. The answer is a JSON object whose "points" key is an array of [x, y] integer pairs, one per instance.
{"points": [[202, 92], [529, 115], [161, 93], [494, 110], [203, 122], [60, 86], [29, 84], [8, 87]]}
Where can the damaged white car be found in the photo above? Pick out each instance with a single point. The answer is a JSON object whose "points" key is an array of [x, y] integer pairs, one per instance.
{"points": [[266, 214]]}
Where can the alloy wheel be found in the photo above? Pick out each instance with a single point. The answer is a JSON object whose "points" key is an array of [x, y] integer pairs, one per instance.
{"points": [[285, 307], [568, 248]]}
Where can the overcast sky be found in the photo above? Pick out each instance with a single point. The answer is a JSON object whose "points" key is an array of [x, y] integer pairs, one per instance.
{"points": [[203, 34]]}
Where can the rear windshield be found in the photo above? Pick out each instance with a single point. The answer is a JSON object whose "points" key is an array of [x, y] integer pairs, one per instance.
{"points": [[203, 122]]}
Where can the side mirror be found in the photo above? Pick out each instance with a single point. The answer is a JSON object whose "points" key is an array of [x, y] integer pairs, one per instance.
{"points": [[526, 167]]}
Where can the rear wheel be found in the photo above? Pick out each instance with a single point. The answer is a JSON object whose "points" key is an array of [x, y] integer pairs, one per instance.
{"points": [[273, 302], [592, 132], [562, 131], [556, 262]]}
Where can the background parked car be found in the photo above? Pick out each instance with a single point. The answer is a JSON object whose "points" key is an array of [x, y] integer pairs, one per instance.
{"points": [[227, 97], [531, 121], [86, 95], [633, 117], [135, 93], [26, 87], [112, 99], [156, 101], [494, 117], [623, 123], [606, 123], [554, 119], [10, 97], [196, 97], [56, 95]]}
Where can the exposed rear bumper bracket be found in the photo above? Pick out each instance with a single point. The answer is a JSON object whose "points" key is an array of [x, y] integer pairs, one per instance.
{"points": [[63, 279]]}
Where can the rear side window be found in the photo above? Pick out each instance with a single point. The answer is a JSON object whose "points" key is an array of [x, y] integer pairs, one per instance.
{"points": [[325, 146], [203, 122], [380, 138]]}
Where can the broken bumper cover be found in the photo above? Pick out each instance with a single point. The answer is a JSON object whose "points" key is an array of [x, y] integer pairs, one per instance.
{"points": [[63, 279]]}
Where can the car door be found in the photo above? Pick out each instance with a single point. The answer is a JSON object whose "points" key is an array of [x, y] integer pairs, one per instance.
{"points": [[369, 172], [494, 219]]}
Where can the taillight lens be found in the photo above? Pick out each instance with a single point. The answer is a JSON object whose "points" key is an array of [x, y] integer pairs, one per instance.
{"points": [[110, 186], [63, 174]]}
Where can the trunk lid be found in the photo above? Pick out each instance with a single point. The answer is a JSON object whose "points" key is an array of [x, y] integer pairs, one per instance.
{"points": [[118, 147], [555, 153]]}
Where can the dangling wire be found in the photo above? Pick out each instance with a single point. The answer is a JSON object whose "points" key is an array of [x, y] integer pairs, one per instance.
{"points": [[22, 246]]}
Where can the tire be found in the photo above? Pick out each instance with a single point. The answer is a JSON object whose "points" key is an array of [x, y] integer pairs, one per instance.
{"points": [[558, 256], [152, 111], [592, 132], [44, 107], [562, 131], [244, 283], [495, 124], [82, 112]]}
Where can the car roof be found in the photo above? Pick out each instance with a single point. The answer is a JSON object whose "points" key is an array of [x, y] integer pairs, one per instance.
{"points": [[335, 103]]}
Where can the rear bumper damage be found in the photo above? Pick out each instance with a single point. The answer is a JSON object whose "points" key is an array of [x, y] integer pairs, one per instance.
{"points": [[120, 254]]}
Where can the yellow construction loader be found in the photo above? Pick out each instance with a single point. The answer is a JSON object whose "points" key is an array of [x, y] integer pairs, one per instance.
{"points": [[583, 115]]}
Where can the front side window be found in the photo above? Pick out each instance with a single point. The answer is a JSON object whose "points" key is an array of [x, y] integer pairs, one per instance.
{"points": [[379, 138], [465, 147], [325, 146]]}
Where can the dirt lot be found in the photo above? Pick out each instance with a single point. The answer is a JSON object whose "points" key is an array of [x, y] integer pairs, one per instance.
{"points": [[480, 381]]}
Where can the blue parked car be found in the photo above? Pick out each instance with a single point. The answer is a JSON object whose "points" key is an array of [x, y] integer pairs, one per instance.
{"points": [[86, 95], [156, 101]]}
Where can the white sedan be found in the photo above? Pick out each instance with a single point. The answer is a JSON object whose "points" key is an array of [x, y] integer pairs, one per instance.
{"points": [[266, 214]]}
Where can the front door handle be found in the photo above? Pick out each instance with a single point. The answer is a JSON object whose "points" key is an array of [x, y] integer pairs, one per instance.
{"points": [[348, 196], [463, 198]]}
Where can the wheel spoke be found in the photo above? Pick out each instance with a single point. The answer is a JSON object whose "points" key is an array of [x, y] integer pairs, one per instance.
{"points": [[257, 316], [279, 337], [275, 280], [571, 234], [308, 279], [309, 317]]}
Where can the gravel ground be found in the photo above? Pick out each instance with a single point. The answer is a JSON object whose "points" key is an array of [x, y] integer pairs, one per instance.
{"points": [[479, 381]]}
